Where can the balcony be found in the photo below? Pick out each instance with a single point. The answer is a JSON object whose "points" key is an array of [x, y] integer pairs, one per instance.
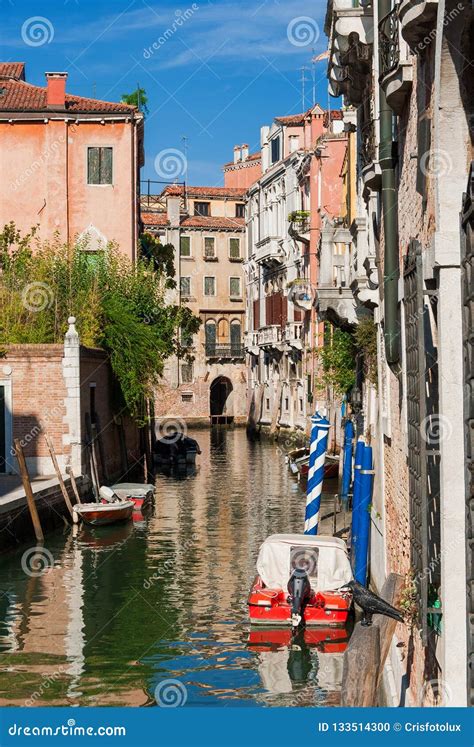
{"points": [[417, 20], [269, 251], [335, 299], [349, 26], [231, 351], [396, 74], [299, 226], [293, 335], [368, 151], [251, 343], [271, 337], [364, 276]]}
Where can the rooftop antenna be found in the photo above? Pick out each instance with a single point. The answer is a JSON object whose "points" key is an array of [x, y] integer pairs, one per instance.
{"points": [[313, 75], [303, 80], [184, 140]]}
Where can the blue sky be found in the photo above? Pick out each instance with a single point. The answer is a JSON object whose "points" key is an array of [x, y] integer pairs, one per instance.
{"points": [[218, 70]]}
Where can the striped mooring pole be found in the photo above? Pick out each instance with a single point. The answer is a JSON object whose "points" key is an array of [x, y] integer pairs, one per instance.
{"points": [[359, 450], [317, 456]]}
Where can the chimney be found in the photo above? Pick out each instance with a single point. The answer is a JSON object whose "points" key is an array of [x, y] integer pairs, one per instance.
{"points": [[245, 152], [56, 90], [237, 153]]}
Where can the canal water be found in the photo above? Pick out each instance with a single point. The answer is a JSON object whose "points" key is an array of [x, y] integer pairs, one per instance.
{"points": [[155, 610]]}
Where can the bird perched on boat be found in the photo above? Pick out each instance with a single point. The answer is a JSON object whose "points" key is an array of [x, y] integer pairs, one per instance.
{"points": [[371, 604]]}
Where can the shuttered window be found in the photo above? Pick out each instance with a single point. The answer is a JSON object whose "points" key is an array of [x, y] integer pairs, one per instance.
{"points": [[99, 165], [234, 248]]}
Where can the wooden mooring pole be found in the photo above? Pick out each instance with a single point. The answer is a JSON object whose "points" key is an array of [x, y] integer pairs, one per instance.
{"points": [[28, 490], [52, 452], [365, 656]]}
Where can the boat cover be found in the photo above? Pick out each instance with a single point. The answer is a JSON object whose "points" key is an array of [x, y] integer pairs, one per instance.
{"points": [[324, 558]]}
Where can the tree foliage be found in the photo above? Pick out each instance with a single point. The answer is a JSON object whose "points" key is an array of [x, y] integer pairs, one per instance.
{"points": [[119, 305], [137, 98], [338, 359]]}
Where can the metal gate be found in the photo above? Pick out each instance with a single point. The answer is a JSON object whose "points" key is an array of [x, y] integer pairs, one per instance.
{"points": [[424, 426], [467, 258]]}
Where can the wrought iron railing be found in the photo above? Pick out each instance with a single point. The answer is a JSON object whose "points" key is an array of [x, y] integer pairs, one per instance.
{"points": [[232, 350], [368, 143], [389, 42]]}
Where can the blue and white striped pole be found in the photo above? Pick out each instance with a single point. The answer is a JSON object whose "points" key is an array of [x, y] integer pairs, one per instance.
{"points": [[317, 457]]}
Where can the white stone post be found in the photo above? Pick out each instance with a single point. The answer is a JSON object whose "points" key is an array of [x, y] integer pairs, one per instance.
{"points": [[72, 401]]}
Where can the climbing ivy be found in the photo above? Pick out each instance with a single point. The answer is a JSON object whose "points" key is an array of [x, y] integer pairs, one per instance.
{"points": [[118, 304], [338, 359]]}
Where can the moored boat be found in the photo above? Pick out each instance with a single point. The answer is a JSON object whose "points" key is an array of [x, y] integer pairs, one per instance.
{"points": [[101, 514], [176, 450], [141, 494], [300, 581], [298, 462]]}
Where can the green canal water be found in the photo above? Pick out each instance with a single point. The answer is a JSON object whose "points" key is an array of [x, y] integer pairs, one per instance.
{"points": [[156, 609]]}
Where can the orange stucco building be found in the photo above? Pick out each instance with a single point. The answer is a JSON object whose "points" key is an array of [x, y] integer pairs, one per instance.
{"points": [[70, 165]]}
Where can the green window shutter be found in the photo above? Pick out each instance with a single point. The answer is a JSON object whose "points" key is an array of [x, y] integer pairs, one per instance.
{"points": [[234, 248], [185, 246], [106, 165], [93, 165]]}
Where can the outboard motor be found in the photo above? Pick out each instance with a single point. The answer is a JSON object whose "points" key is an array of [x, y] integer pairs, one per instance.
{"points": [[299, 589]]}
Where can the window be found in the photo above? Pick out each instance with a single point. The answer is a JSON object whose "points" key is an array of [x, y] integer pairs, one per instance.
{"points": [[185, 246], [275, 144], [99, 165], [210, 336], [186, 397], [240, 210], [235, 287], [209, 247], [234, 248], [301, 404], [294, 142], [186, 339], [209, 286], [235, 338], [267, 403], [186, 373], [202, 208], [287, 404], [185, 286]]}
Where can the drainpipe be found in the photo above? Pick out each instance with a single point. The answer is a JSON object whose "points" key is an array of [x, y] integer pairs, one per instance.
{"points": [[390, 220]]}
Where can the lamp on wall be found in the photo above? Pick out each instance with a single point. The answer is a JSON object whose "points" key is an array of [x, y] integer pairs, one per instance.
{"points": [[356, 399]]}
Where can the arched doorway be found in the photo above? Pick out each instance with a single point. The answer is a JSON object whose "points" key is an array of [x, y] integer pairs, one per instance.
{"points": [[219, 401]]}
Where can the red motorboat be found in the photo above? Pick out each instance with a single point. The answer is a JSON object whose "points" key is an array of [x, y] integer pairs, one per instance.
{"points": [[100, 514], [325, 640], [300, 582]]}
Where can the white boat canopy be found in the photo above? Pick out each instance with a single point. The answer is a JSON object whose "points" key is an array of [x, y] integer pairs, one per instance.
{"points": [[324, 558]]}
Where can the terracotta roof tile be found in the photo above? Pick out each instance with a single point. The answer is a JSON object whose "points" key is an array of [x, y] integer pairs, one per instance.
{"points": [[14, 70], [178, 189], [20, 96], [155, 219], [195, 221]]}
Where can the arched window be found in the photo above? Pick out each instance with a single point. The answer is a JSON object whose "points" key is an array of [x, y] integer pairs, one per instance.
{"points": [[223, 331], [210, 335], [235, 337]]}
